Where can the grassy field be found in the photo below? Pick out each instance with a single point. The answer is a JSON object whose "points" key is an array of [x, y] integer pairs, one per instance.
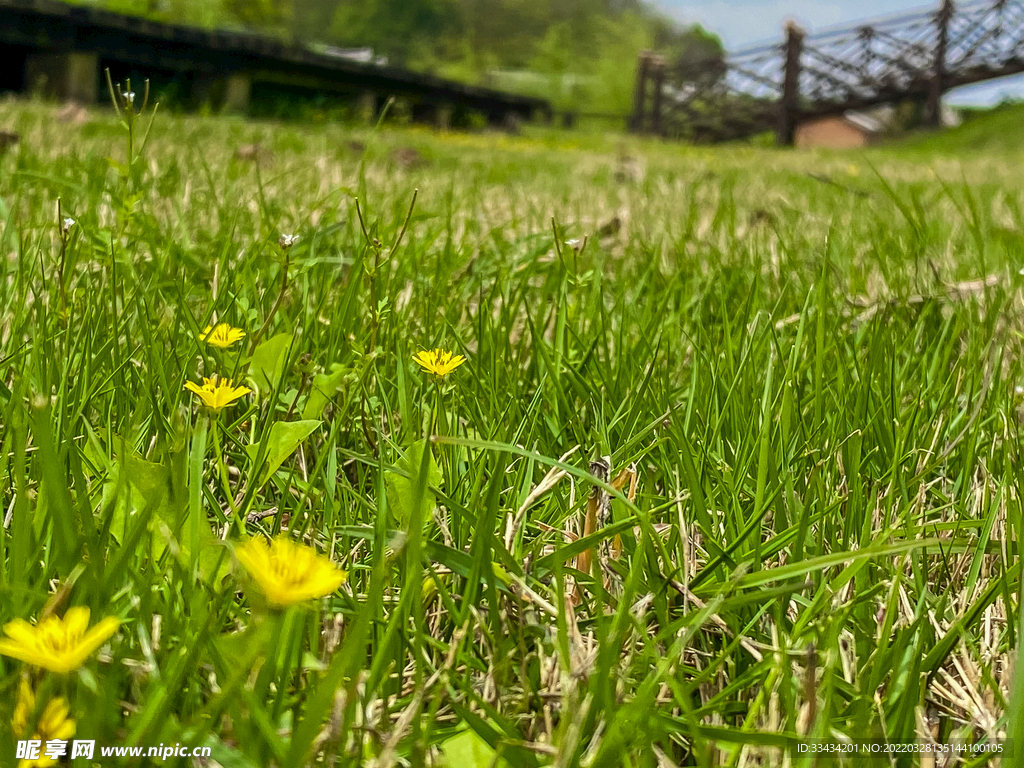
{"points": [[804, 371]]}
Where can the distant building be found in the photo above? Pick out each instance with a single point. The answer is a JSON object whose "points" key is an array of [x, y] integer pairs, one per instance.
{"points": [[847, 131], [858, 129]]}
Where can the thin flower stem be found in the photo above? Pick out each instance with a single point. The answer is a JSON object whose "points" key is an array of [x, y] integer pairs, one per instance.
{"points": [[64, 237], [290, 655], [277, 303], [437, 425], [440, 429], [222, 471], [298, 393], [408, 218]]}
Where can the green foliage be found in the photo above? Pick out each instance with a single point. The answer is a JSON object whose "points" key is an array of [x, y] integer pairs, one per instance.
{"points": [[322, 389], [811, 362], [409, 490], [467, 750], [261, 14], [991, 131], [581, 55], [268, 362], [281, 441], [398, 28]]}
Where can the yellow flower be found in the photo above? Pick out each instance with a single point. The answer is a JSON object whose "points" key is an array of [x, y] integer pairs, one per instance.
{"points": [[23, 707], [59, 645], [53, 723], [215, 393], [289, 573], [221, 335], [439, 362]]}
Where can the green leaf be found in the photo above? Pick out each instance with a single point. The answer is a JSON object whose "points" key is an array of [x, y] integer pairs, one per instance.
{"points": [[267, 364], [226, 756], [401, 485], [171, 518], [324, 387], [148, 478], [282, 441], [467, 750], [55, 496], [114, 499]]}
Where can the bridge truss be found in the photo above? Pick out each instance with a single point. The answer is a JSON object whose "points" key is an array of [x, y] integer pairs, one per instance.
{"points": [[915, 56]]}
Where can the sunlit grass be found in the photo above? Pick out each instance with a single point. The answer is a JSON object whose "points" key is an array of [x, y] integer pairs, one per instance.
{"points": [[804, 371]]}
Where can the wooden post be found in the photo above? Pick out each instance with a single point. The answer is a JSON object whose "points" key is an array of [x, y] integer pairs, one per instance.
{"points": [[70, 76], [866, 35], [933, 116], [658, 65], [443, 117], [367, 107], [636, 122], [237, 90], [789, 104]]}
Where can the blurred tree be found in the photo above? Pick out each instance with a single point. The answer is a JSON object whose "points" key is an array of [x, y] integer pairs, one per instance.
{"points": [[579, 53], [694, 50], [312, 19], [268, 15], [397, 28]]}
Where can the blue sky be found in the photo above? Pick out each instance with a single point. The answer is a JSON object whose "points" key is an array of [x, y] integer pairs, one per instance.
{"points": [[740, 22]]}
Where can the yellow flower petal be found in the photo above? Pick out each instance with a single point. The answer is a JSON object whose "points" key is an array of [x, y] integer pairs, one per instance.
{"points": [[77, 620], [438, 362], [60, 645], [217, 394], [221, 335], [288, 573], [54, 720], [96, 637], [54, 723], [19, 631], [23, 708]]}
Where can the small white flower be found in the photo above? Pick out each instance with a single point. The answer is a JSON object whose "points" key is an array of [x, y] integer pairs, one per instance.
{"points": [[1020, 271], [287, 241], [129, 96], [575, 243], [1018, 391], [67, 224]]}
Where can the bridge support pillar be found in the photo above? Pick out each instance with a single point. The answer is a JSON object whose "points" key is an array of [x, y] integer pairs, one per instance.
{"points": [[367, 107], [443, 114], [658, 76], [65, 76], [237, 89], [933, 111], [224, 94], [789, 104], [639, 116]]}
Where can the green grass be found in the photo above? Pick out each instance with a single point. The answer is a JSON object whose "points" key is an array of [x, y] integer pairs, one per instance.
{"points": [[990, 131], [812, 362]]}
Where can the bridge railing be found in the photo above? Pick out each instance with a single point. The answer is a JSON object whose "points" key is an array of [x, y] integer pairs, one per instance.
{"points": [[983, 36], [915, 56]]}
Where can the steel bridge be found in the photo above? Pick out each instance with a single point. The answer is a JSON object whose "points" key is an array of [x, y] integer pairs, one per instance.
{"points": [[915, 56], [61, 50]]}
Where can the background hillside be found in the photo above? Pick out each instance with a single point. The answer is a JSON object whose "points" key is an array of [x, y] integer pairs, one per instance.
{"points": [[996, 130], [581, 54]]}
